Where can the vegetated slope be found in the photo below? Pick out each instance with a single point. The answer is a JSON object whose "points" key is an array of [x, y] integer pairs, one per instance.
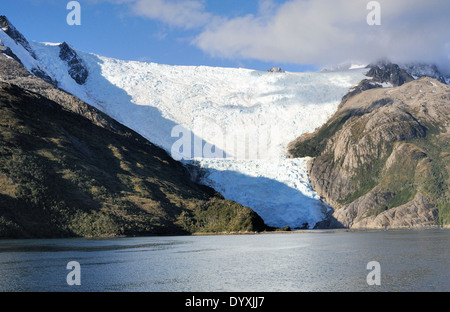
{"points": [[66, 169], [383, 159]]}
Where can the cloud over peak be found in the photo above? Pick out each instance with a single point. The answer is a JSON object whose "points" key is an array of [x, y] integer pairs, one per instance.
{"points": [[319, 32]]}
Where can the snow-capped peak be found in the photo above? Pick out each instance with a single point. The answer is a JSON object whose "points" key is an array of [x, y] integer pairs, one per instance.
{"points": [[15, 35]]}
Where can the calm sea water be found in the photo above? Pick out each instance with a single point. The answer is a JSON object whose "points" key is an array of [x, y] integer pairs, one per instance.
{"points": [[317, 261]]}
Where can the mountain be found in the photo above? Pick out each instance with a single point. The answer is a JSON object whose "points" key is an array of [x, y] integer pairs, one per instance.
{"points": [[382, 161], [229, 127], [67, 169]]}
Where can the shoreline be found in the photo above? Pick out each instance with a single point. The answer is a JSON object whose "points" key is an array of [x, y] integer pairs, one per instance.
{"points": [[198, 234], [427, 228]]}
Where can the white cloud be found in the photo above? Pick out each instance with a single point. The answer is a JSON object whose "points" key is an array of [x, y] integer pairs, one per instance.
{"points": [[187, 14], [319, 32]]}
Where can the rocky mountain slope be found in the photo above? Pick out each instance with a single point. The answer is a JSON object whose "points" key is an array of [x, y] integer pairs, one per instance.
{"points": [[66, 169], [383, 160]]}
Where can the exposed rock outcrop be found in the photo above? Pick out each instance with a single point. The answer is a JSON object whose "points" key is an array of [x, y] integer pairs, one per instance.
{"points": [[77, 70]]}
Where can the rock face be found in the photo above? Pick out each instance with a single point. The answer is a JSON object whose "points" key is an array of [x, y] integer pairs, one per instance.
{"points": [[383, 160], [77, 70]]}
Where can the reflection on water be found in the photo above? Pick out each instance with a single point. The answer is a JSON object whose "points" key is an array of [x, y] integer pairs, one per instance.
{"points": [[316, 261]]}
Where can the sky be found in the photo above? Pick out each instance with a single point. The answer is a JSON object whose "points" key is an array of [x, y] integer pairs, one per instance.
{"points": [[296, 35]]}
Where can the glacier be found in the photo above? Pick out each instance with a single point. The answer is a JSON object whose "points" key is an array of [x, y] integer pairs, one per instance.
{"points": [[245, 119]]}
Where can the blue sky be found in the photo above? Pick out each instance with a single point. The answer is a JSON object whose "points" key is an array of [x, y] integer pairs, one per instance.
{"points": [[111, 29], [296, 35]]}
